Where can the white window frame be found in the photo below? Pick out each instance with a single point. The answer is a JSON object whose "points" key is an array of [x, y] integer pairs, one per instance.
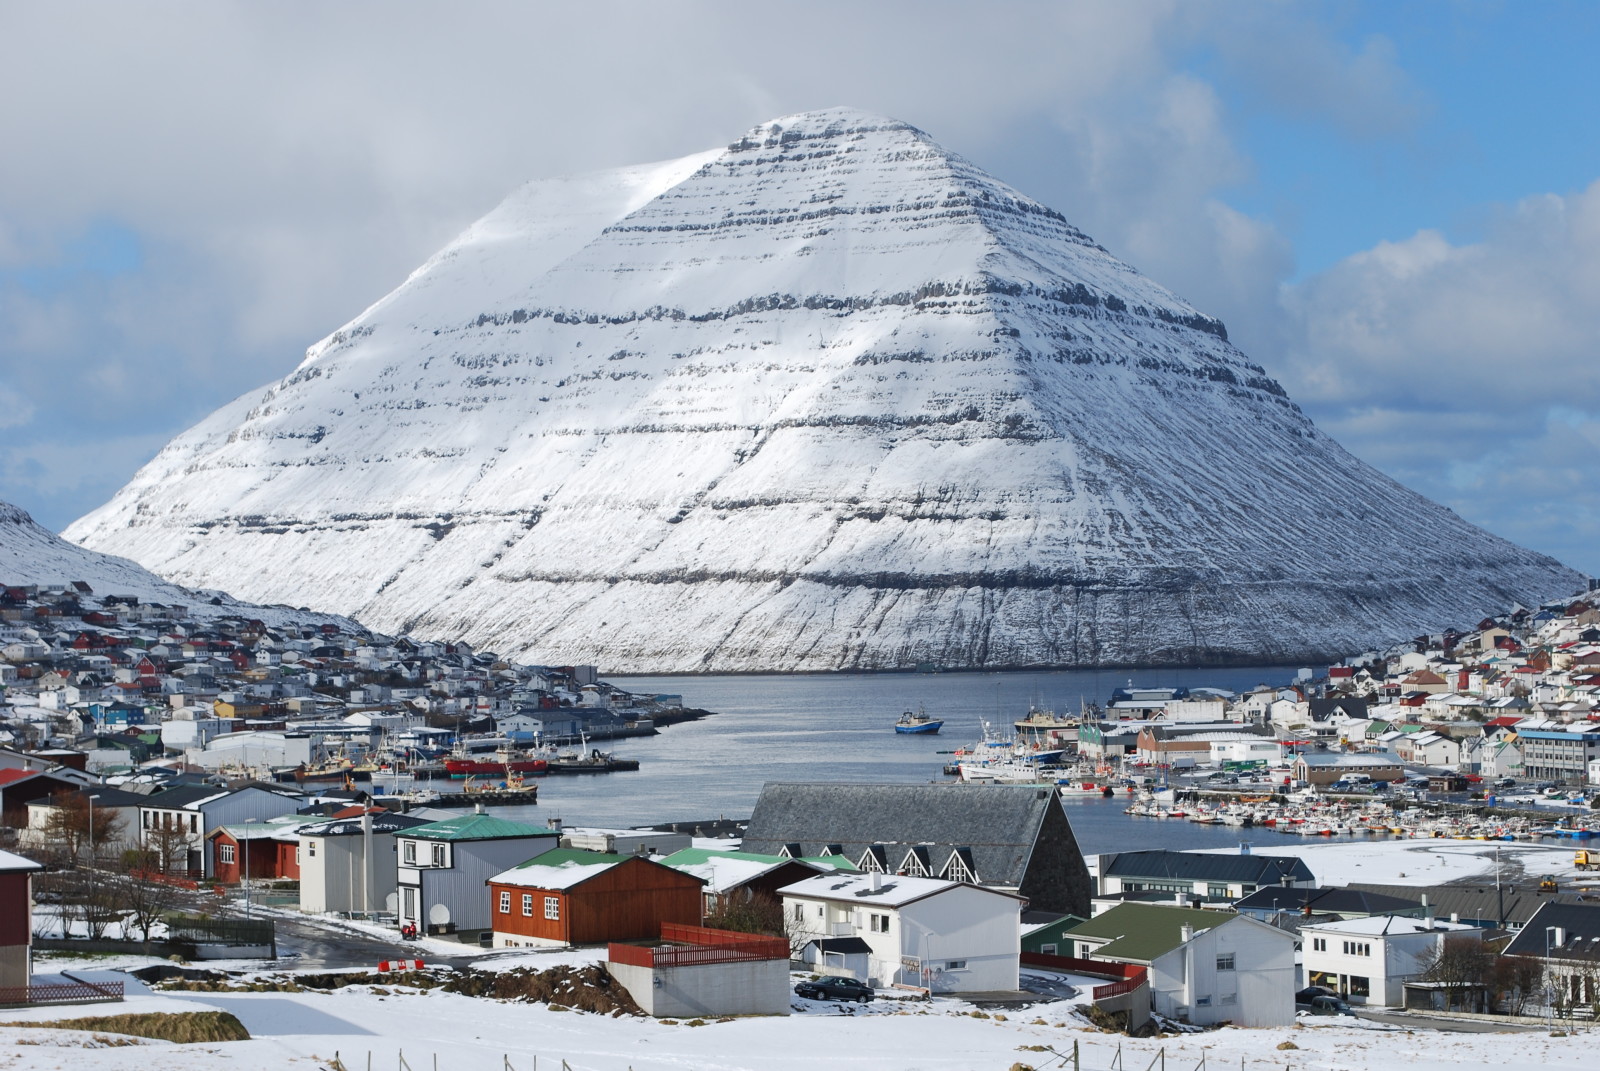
{"points": [[408, 852], [527, 905], [552, 908], [225, 853], [505, 901]]}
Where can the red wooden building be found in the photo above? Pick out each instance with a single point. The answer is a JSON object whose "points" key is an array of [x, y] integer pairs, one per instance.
{"points": [[260, 851], [16, 919], [572, 897]]}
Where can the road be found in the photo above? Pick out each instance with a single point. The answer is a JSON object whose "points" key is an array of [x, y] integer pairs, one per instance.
{"points": [[1415, 1020], [308, 945]]}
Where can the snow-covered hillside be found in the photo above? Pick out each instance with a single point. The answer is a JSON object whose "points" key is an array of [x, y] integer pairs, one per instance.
{"points": [[830, 397], [30, 554]]}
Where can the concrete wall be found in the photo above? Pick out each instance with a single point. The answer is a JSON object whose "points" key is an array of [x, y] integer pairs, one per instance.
{"points": [[746, 988]]}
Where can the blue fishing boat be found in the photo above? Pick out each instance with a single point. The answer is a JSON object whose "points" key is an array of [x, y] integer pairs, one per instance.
{"points": [[917, 722]]}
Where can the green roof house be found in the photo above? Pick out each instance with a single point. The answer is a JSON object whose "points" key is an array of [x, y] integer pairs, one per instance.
{"points": [[1205, 967], [442, 868]]}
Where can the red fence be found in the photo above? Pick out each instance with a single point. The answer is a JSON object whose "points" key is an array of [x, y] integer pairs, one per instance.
{"points": [[695, 946], [77, 993], [1095, 968], [1116, 989]]}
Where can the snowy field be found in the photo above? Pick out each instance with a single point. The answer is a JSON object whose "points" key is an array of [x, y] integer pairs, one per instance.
{"points": [[1428, 862], [368, 1029]]}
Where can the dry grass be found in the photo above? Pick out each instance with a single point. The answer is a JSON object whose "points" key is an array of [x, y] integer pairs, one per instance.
{"points": [[181, 1027]]}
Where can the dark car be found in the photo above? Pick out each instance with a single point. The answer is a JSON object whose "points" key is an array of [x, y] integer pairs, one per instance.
{"points": [[835, 989], [1320, 1000]]}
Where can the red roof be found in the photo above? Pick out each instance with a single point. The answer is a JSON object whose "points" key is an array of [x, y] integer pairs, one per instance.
{"points": [[8, 776], [1502, 721]]}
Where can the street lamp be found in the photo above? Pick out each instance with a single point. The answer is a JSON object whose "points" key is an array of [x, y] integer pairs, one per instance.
{"points": [[1549, 987], [244, 876], [91, 800]]}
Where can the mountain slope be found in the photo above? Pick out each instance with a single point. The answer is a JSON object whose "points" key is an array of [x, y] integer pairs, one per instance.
{"points": [[30, 554], [830, 397]]}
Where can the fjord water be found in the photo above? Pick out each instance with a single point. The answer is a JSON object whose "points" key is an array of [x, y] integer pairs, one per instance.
{"points": [[839, 727]]}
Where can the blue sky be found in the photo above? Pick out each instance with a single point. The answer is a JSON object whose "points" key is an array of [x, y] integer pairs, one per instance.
{"points": [[1393, 205]]}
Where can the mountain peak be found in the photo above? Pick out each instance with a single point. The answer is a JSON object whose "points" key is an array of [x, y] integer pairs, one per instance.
{"points": [[830, 397]]}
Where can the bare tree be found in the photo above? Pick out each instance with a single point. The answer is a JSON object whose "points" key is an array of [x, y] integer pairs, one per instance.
{"points": [[754, 913], [1515, 980], [1463, 967], [73, 828]]}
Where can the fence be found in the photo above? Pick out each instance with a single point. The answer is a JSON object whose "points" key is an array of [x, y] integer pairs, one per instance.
{"points": [[1094, 968], [695, 946], [206, 931], [1116, 989], [60, 993]]}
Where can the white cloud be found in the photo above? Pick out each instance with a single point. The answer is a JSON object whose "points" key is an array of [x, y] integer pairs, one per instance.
{"points": [[1470, 372]]}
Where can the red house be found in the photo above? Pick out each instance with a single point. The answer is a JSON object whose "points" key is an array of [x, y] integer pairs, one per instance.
{"points": [[571, 897], [16, 920], [259, 851]]}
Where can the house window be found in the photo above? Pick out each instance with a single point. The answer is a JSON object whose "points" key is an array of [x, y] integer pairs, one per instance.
{"points": [[505, 902], [1357, 948], [408, 852], [311, 849], [799, 912], [1359, 986], [1217, 892], [194, 826], [552, 907], [1225, 961], [297, 857], [1048, 950], [956, 965], [527, 905], [225, 853], [1319, 944], [878, 923], [438, 855]]}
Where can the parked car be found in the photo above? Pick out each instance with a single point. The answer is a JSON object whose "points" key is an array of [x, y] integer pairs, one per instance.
{"points": [[1320, 1000], [835, 989]]}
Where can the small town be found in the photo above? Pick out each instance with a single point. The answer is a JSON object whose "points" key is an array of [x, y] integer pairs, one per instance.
{"points": [[176, 789]]}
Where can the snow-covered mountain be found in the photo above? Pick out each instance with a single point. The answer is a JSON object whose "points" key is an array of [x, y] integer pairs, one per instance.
{"points": [[829, 397], [30, 554]]}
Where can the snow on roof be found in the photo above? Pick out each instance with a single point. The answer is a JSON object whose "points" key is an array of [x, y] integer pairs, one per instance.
{"points": [[893, 890], [17, 862], [1387, 926]]}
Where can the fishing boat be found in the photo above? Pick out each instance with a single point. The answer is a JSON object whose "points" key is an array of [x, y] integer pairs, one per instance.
{"points": [[504, 760], [918, 722]]}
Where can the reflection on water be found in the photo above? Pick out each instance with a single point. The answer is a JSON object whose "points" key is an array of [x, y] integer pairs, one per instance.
{"points": [[839, 727]]}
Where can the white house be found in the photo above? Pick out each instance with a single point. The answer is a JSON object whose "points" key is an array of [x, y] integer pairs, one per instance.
{"points": [[1369, 960], [1204, 967], [1242, 972], [946, 936], [349, 864]]}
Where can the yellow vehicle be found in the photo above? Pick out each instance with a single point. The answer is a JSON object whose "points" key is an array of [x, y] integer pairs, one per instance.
{"points": [[1547, 884], [1586, 860]]}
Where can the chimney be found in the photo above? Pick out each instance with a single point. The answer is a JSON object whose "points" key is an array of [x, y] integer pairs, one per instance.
{"points": [[552, 823], [478, 808], [1186, 932], [875, 881], [1455, 916]]}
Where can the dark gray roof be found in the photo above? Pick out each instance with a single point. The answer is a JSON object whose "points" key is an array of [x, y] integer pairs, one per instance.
{"points": [[1327, 901], [1580, 932], [1196, 866], [1476, 903], [382, 823], [105, 796], [999, 823], [182, 796]]}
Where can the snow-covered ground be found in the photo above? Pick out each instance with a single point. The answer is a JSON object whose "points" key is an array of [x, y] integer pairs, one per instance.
{"points": [[306, 1030], [1426, 862]]}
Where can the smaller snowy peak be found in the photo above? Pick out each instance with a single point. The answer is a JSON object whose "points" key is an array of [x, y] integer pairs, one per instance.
{"points": [[32, 555]]}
